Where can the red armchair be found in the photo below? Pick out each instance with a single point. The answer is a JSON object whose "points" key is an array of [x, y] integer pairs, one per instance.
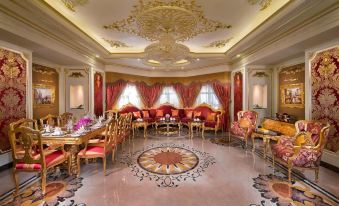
{"points": [[244, 127], [304, 150]]}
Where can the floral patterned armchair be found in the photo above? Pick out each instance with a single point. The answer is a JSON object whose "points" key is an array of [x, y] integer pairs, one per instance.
{"points": [[305, 149], [245, 125]]}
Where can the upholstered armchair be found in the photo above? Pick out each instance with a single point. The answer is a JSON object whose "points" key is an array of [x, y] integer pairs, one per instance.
{"points": [[305, 149], [29, 155], [244, 127], [210, 116]]}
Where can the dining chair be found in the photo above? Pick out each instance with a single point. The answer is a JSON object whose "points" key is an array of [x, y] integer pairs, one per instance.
{"points": [[51, 120], [29, 155]]}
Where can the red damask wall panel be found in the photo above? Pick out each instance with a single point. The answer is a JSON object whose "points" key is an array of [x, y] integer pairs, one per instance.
{"points": [[237, 93], [12, 92], [98, 95], [325, 92]]}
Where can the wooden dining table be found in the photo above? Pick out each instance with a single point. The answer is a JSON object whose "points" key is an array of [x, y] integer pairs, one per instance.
{"points": [[72, 143]]}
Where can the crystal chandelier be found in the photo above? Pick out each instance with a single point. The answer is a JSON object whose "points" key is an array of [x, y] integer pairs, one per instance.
{"points": [[167, 22]]}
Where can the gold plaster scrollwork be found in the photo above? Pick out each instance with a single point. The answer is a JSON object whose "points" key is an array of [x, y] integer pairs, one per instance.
{"points": [[181, 19], [71, 4], [262, 3], [116, 44], [219, 43]]}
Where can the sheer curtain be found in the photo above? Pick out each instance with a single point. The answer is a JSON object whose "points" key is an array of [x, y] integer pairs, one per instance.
{"points": [[169, 95], [129, 95], [208, 96]]}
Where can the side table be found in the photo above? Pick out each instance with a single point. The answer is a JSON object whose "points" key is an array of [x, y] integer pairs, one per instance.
{"points": [[139, 124]]}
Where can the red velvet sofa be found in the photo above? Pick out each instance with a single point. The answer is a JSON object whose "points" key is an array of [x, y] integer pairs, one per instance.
{"points": [[201, 111]]}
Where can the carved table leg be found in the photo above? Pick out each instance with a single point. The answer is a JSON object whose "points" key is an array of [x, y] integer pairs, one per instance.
{"points": [[73, 150]]}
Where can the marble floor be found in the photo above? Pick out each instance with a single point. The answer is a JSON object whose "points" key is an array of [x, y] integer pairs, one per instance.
{"points": [[208, 174]]}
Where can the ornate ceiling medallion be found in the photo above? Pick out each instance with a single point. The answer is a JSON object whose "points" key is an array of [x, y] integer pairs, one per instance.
{"points": [[156, 55], [262, 3], [219, 43], [116, 44], [70, 4], [183, 19]]}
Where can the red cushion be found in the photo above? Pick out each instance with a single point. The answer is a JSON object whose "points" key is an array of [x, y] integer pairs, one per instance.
{"points": [[196, 114], [210, 124], [23, 166], [50, 159], [92, 150], [185, 120], [149, 119], [211, 117]]}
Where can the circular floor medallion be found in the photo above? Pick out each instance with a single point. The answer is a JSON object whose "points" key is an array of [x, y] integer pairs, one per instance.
{"points": [[168, 160]]}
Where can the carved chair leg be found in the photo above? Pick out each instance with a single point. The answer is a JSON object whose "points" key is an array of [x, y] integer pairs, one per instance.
{"points": [[16, 182], [104, 163], [113, 156], [253, 144], [43, 182], [246, 143], [316, 173], [289, 173]]}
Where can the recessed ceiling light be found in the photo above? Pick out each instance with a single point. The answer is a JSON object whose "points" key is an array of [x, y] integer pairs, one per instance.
{"points": [[238, 55], [198, 59], [138, 59], [182, 67], [97, 56], [153, 67]]}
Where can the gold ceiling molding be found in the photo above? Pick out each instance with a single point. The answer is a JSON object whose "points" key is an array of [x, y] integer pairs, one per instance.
{"points": [[262, 3], [43, 70], [116, 43], [183, 19], [71, 4], [219, 43]]}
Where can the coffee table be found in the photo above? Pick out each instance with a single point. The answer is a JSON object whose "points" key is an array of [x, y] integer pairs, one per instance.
{"points": [[171, 127]]}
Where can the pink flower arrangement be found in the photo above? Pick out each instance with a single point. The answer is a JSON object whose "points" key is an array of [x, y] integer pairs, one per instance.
{"points": [[83, 122]]}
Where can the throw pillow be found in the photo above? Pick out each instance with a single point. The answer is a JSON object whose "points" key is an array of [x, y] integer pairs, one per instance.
{"points": [[137, 114], [211, 117], [196, 114], [189, 114], [159, 113], [175, 112], [145, 114]]}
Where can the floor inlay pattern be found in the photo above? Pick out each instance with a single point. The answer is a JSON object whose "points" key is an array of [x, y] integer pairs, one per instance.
{"points": [[279, 191], [60, 187], [152, 133], [168, 164]]}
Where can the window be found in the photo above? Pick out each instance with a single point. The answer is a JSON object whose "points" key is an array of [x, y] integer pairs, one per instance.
{"points": [[129, 95], [169, 96], [208, 96]]}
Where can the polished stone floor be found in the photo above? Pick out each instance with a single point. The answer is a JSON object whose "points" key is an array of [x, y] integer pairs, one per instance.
{"points": [[208, 174]]}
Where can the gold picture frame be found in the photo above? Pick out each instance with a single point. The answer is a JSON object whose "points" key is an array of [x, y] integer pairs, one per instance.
{"points": [[43, 95], [292, 95]]}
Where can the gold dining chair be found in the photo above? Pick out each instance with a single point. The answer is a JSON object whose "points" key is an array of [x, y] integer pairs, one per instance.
{"points": [[101, 149], [29, 155], [65, 117], [51, 120]]}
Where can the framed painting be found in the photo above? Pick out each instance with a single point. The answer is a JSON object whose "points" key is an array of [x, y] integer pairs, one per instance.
{"points": [[292, 95], [43, 95]]}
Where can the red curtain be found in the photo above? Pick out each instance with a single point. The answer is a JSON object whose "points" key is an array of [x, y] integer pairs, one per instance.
{"points": [[237, 94], [98, 96], [149, 94], [187, 93], [113, 92], [222, 92]]}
